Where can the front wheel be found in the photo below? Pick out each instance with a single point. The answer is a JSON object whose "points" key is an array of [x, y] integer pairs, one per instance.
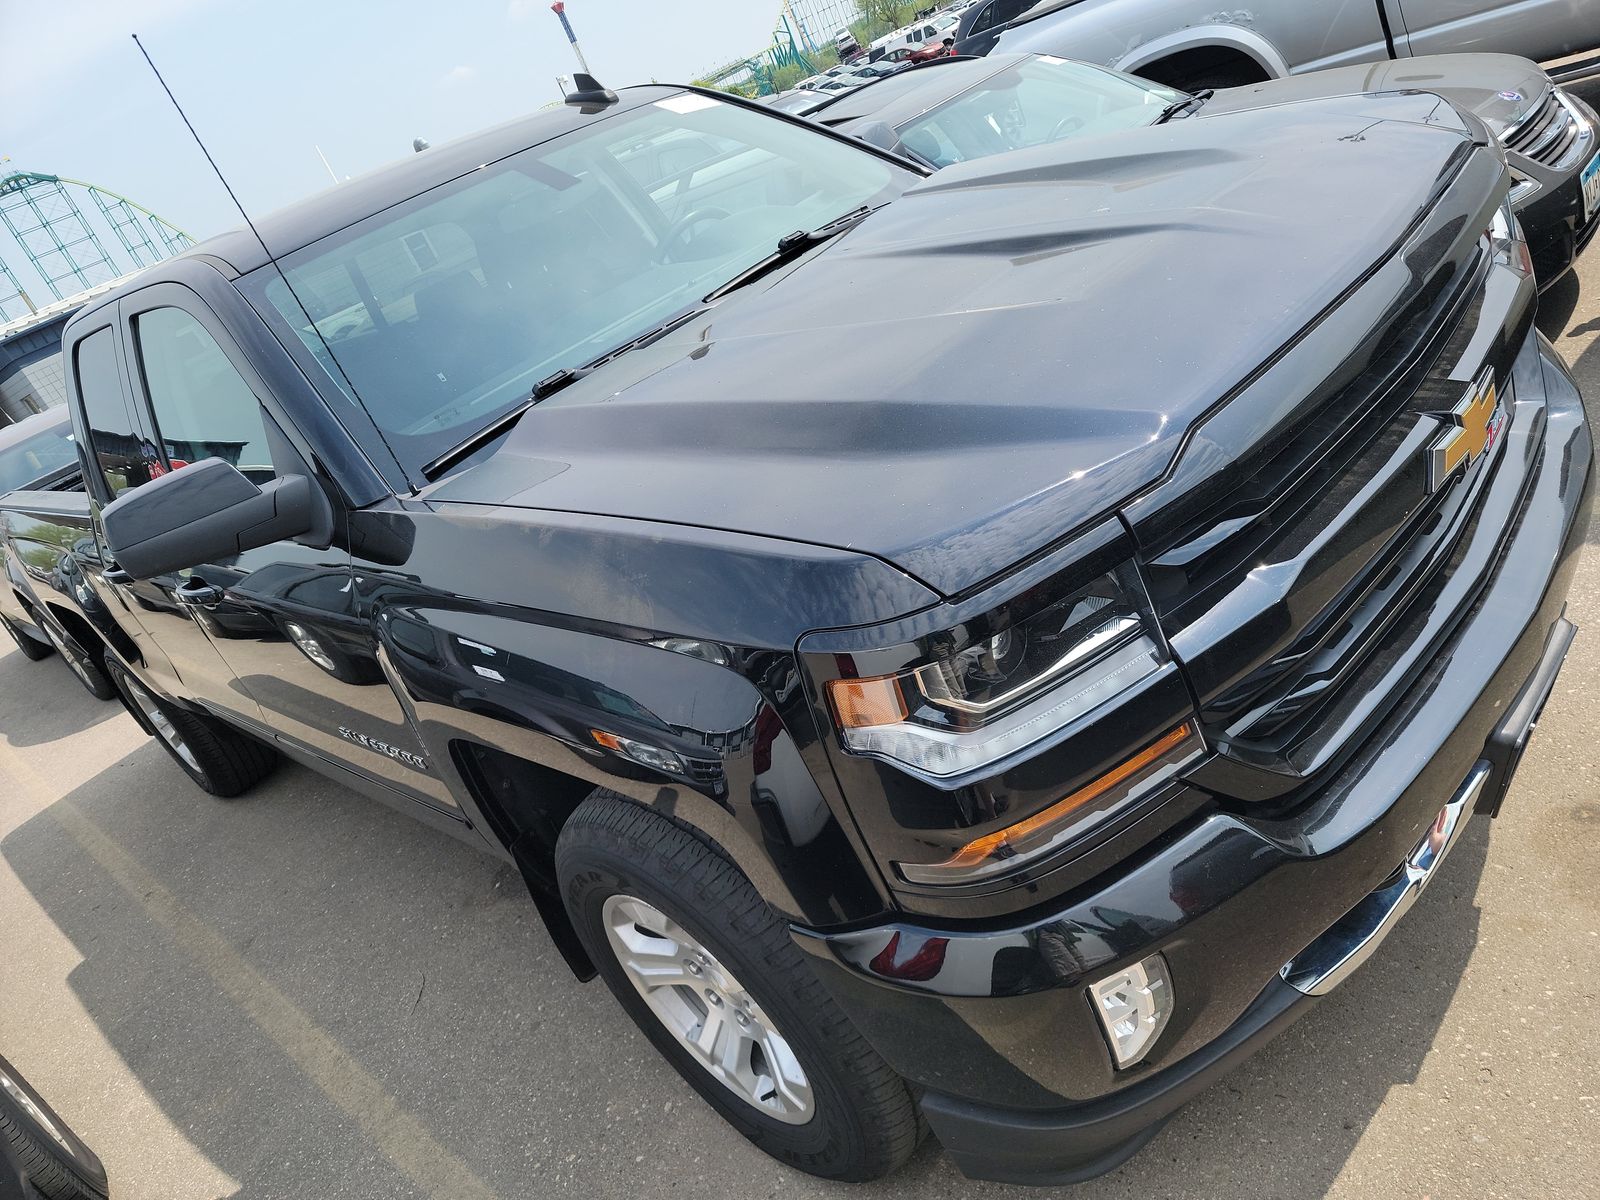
{"points": [[710, 974], [221, 759]]}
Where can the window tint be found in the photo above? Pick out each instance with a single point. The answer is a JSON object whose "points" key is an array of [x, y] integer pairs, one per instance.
{"points": [[124, 460], [44, 454], [1039, 100], [203, 407], [985, 20]]}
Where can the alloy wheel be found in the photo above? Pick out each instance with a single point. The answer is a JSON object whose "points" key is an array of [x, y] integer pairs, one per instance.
{"points": [[161, 723], [708, 1010]]}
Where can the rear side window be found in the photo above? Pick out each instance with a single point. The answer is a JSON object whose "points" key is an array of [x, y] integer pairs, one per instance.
{"points": [[202, 405], [123, 457]]}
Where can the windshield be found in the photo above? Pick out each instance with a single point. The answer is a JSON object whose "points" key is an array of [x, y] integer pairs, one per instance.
{"points": [[43, 454], [443, 312], [1039, 100]]}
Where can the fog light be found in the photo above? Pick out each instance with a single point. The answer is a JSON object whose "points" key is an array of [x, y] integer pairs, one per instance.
{"points": [[1134, 1005]]}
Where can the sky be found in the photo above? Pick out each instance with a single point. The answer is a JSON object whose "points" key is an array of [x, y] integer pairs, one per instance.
{"points": [[267, 82]]}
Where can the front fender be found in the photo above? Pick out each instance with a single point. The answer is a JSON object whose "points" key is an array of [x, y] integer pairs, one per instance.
{"points": [[734, 718]]}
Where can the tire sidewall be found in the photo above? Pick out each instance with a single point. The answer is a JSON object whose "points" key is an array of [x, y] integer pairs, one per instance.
{"points": [[29, 648], [76, 1157], [595, 876], [82, 665], [122, 679]]}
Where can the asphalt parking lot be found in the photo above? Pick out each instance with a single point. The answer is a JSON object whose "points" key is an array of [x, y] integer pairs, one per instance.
{"points": [[304, 994]]}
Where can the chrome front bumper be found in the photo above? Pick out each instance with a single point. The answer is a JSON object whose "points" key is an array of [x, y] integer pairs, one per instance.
{"points": [[1333, 957], [1330, 960]]}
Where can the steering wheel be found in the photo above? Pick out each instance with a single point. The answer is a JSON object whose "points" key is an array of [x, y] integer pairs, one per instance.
{"points": [[678, 232], [1065, 126]]}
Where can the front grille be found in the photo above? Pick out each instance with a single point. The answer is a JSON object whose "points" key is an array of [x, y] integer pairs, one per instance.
{"points": [[1550, 134], [1293, 588]]}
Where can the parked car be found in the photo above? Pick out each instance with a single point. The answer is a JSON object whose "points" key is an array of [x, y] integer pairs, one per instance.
{"points": [[1192, 44], [983, 106], [1108, 638], [931, 51], [878, 70], [798, 101], [982, 23], [909, 39], [40, 1157], [39, 464]]}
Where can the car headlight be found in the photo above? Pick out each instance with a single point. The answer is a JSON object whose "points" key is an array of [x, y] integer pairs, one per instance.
{"points": [[1004, 739], [985, 696]]}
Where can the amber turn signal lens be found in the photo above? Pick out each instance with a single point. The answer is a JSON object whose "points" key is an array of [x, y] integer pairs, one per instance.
{"points": [[861, 703], [994, 845]]}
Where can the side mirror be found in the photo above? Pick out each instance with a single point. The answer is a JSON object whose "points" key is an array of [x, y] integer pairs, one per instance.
{"points": [[202, 513], [878, 133]]}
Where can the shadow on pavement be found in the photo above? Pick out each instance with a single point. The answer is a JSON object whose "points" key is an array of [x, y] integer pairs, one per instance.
{"points": [[421, 963], [41, 702]]}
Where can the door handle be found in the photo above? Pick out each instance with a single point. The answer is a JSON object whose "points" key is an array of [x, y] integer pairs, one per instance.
{"points": [[199, 592]]}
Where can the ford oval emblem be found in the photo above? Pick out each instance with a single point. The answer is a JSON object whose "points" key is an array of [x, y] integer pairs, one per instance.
{"points": [[1514, 97]]}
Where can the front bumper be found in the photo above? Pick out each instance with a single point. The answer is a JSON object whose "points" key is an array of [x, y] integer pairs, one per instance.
{"points": [[994, 1025], [1552, 217]]}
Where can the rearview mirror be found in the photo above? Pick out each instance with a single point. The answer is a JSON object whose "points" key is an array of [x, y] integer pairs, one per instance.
{"points": [[202, 513]]}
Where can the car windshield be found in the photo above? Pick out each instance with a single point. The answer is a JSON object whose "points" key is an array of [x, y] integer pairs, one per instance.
{"points": [[442, 313], [29, 461], [1038, 100]]}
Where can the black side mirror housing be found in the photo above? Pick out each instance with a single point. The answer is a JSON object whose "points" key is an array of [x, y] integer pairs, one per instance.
{"points": [[202, 513]]}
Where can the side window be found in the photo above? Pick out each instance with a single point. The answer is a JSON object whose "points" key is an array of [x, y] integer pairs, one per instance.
{"points": [[985, 20], [113, 441], [202, 405]]}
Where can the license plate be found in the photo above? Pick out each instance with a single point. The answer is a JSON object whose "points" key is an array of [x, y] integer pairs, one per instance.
{"points": [[1591, 188]]}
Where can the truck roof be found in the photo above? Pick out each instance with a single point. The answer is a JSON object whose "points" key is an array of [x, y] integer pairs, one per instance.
{"points": [[305, 221]]}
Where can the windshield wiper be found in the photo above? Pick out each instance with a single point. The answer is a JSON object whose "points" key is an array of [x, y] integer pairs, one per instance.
{"points": [[791, 246], [547, 387], [1185, 106]]}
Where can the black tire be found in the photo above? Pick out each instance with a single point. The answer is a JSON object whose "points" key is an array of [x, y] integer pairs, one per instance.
{"points": [[864, 1123], [32, 649], [62, 1169], [86, 667], [226, 762], [1221, 78]]}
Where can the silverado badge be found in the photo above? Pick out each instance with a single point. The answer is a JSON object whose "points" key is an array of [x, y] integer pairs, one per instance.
{"points": [[1476, 424]]}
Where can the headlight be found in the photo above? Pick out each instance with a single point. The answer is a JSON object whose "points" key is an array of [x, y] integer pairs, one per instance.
{"points": [[985, 696]]}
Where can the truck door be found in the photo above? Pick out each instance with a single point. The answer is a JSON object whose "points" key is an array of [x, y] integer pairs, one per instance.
{"points": [[118, 457], [1536, 29], [281, 617]]}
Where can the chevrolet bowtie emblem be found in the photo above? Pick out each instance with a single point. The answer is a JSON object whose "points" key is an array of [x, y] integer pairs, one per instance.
{"points": [[1476, 426]]}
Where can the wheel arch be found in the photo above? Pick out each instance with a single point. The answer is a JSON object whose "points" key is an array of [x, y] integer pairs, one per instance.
{"points": [[1183, 52], [79, 630], [504, 705]]}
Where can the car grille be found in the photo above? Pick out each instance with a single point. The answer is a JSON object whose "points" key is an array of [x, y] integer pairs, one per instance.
{"points": [[1550, 134], [1294, 592]]}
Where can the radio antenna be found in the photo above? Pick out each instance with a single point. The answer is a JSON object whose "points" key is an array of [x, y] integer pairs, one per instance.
{"points": [[265, 249]]}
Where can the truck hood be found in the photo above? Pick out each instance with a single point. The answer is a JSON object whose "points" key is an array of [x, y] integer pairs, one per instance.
{"points": [[1009, 350], [1499, 89]]}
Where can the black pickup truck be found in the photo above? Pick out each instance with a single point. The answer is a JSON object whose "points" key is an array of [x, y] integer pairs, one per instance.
{"points": [[990, 646]]}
